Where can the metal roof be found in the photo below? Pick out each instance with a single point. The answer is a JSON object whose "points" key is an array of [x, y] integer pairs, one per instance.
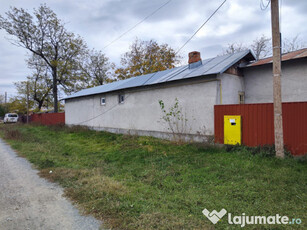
{"points": [[302, 53], [209, 66]]}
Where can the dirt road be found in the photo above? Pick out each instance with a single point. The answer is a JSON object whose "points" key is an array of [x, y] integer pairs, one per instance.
{"points": [[30, 202]]}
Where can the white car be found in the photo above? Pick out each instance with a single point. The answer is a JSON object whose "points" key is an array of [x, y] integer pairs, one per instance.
{"points": [[10, 118]]}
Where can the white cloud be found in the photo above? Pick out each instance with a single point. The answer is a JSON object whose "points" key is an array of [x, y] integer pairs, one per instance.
{"points": [[101, 21]]}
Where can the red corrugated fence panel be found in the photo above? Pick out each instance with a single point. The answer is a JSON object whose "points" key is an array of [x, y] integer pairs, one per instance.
{"points": [[48, 118], [258, 124]]}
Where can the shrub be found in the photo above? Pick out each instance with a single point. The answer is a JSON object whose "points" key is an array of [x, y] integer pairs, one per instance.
{"points": [[175, 120]]}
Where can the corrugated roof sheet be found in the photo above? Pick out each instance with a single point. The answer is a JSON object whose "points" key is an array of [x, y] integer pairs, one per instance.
{"points": [[285, 57], [208, 67]]}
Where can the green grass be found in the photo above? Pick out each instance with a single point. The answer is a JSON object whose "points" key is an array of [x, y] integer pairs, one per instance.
{"points": [[145, 183]]}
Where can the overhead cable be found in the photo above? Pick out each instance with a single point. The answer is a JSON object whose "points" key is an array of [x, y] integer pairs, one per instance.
{"points": [[114, 106], [201, 26], [264, 6], [123, 34]]}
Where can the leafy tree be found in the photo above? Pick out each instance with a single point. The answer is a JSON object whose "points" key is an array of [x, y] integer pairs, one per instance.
{"points": [[39, 83], [2, 99], [38, 88], [21, 88], [19, 105], [3, 106], [146, 57], [95, 68], [3, 110], [44, 35]]}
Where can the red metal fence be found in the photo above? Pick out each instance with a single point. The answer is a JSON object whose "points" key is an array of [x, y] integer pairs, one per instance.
{"points": [[258, 124], [48, 118]]}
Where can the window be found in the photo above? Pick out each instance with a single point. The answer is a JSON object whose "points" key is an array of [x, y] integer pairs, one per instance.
{"points": [[241, 98], [121, 98], [103, 101]]}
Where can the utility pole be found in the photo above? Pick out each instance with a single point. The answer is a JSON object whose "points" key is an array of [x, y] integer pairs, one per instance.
{"points": [[278, 128], [27, 102], [5, 97]]}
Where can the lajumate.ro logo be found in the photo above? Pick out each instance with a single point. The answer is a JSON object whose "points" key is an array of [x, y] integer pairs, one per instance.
{"points": [[244, 220]]}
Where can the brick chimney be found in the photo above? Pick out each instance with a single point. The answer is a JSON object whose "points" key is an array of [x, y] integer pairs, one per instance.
{"points": [[194, 57]]}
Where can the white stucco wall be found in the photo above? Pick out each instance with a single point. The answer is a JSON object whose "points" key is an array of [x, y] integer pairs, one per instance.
{"points": [[259, 82], [141, 110], [231, 86]]}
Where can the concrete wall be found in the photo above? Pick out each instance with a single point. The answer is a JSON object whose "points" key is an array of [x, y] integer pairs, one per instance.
{"points": [[141, 110], [259, 82], [141, 113], [231, 86]]}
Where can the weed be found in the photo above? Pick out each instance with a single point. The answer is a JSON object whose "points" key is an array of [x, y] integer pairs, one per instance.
{"points": [[57, 127], [69, 129], [46, 163], [264, 150], [207, 138], [76, 128], [13, 134], [176, 121]]}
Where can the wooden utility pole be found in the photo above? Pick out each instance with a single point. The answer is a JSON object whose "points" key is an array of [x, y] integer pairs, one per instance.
{"points": [[27, 102], [278, 129]]}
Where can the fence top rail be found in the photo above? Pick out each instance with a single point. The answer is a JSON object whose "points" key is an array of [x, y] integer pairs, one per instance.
{"points": [[256, 104]]}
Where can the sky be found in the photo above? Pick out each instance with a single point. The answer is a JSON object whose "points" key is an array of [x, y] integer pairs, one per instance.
{"points": [[101, 21]]}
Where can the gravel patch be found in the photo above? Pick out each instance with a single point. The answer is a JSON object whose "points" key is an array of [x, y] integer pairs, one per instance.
{"points": [[28, 201]]}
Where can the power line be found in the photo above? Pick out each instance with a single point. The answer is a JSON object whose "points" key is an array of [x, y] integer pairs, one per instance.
{"points": [[155, 72], [264, 6], [119, 37], [201, 26], [115, 104], [100, 114]]}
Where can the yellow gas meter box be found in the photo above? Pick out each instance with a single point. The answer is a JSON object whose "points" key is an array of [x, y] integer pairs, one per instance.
{"points": [[232, 130]]}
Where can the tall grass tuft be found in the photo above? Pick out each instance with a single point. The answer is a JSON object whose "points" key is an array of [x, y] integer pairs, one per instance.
{"points": [[13, 134]]}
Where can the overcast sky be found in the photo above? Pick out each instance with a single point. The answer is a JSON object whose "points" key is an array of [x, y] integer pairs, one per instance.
{"points": [[101, 21]]}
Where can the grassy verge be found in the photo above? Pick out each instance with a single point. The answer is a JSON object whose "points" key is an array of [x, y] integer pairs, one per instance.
{"points": [[146, 183]]}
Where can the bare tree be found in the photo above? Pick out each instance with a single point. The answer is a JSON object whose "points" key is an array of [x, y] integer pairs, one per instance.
{"points": [[261, 47], [233, 48], [44, 35], [293, 44]]}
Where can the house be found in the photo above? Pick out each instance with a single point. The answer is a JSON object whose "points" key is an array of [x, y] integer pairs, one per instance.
{"points": [[132, 105], [258, 79]]}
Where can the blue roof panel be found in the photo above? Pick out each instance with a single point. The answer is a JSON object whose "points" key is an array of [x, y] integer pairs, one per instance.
{"points": [[209, 66]]}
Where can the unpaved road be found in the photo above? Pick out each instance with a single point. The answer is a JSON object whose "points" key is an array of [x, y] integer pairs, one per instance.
{"points": [[30, 202]]}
